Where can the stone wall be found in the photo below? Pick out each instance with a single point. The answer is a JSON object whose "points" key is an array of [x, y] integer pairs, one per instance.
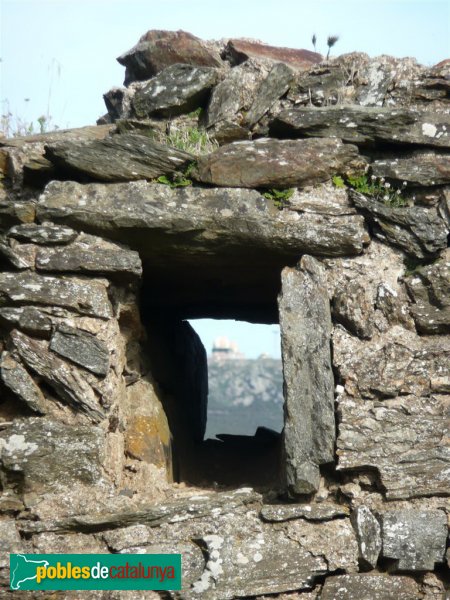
{"points": [[234, 180]]}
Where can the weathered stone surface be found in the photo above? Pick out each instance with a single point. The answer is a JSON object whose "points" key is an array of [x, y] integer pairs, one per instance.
{"points": [[394, 305], [47, 454], [125, 157], [368, 534], [90, 254], [353, 307], [25, 154], [118, 103], [38, 171], [404, 440], [12, 212], [396, 364], [418, 231], [323, 199], [67, 381], [182, 234], [355, 78], [226, 132], [20, 382], [377, 76], [341, 553], [242, 555], [277, 163], [231, 98], [417, 168], [147, 435], [305, 323], [429, 287], [52, 543], [362, 125], [176, 90], [158, 49], [143, 440], [180, 510], [240, 50], [84, 296], [275, 513], [378, 271], [46, 234], [16, 255], [370, 587], [10, 504], [415, 539], [10, 540], [433, 587], [80, 134], [82, 348], [260, 562], [240, 551], [275, 85], [27, 318], [328, 83]]}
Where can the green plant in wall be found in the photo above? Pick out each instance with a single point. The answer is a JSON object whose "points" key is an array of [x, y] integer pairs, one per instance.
{"points": [[174, 180], [279, 197], [338, 182], [178, 178], [374, 187], [190, 139]]}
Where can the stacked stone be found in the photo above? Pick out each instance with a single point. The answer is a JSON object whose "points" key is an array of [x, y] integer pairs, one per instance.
{"points": [[361, 509]]}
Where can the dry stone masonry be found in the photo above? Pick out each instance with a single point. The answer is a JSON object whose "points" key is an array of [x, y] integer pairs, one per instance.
{"points": [[234, 180]]}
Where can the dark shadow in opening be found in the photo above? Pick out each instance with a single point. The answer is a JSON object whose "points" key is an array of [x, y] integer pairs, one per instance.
{"points": [[179, 366]]}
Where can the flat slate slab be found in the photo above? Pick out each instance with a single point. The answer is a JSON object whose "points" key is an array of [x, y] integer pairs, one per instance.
{"points": [[82, 348], [49, 454], [239, 50], [90, 254], [305, 323], [46, 234], [364, 124], [178, 89], [124, 157], [183, 234], [88, 297], [422, 167], [269, 163], [370, 587], [216, 219]]}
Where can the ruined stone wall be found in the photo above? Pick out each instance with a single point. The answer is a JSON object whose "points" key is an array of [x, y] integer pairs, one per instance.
{"points": [[234, 180]]}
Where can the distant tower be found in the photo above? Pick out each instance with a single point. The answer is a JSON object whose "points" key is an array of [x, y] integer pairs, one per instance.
{"points": [[223, 349]]}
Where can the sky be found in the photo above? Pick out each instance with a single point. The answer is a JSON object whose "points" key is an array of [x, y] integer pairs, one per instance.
{"points": [[58, 56]]}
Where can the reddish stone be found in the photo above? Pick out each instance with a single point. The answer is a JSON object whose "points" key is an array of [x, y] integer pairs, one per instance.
{"points": [[158, 49], [443, 63], [238, 51]]}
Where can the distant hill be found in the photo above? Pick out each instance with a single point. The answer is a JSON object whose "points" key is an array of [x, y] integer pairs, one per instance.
{"points": [[243, 395]]}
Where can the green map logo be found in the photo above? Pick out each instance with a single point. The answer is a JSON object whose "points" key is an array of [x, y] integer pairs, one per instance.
{"points": [[24, 570], [95, 571]]}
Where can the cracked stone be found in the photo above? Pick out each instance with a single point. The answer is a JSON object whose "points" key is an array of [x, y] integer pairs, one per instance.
{"points": [[415, 540]]}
